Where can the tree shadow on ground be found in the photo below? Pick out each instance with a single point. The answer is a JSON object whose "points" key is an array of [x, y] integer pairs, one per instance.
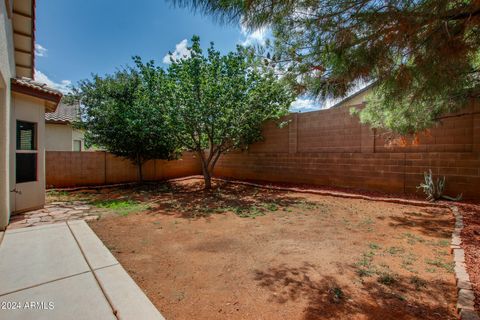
{"points": [[188, 199], [327, 298], [192, 201], [434, 222]]}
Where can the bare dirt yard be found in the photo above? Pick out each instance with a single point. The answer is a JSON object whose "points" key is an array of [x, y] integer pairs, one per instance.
{"points": [[241, 252]]}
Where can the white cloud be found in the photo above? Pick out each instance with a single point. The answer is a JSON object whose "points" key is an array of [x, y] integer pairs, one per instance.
{"points": [[63, 86], [305, 105], [40, 51], [181, 51], [258, 36], [331, 102]]}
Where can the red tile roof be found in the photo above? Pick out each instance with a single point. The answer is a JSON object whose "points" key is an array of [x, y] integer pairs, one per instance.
{"points": [[64, 114], [39, 90], [42, 87]]}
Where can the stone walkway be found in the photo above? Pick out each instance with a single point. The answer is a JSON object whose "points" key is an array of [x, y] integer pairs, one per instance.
{"points": [[56, 212]]}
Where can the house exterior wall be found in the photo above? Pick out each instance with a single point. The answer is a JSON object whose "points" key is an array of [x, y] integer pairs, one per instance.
{"points": [[31, 194], [79, 135], [58, 137], [355, 100], [7, 70]]}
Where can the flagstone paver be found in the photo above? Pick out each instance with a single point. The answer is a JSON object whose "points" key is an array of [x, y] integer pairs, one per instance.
{"points": [[56, 212]]}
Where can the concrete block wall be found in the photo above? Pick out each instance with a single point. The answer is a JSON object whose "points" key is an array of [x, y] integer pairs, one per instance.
{"points": [[387, 172], [72, 169], [331, 148], [325, 148], [331, 130]]}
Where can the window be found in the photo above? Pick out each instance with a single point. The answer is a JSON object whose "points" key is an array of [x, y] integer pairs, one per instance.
{"points": [[26, 155], [77, 145]]}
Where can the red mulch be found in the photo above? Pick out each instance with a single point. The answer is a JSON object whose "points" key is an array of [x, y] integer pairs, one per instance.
{"points": [[471, 245]]}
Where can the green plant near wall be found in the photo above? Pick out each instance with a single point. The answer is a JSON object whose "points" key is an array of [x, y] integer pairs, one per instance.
{"points": [[434, 189]]}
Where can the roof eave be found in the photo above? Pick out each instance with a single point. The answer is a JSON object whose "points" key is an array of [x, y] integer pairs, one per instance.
{"points": [[52, 99], [65, 122], [23, 21]]}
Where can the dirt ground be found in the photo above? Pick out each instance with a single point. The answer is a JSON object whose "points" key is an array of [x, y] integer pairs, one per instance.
{"points": [[240, 252]]}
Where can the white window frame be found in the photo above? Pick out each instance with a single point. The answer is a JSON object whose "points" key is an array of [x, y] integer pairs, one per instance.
{"points": [[33, 151]]}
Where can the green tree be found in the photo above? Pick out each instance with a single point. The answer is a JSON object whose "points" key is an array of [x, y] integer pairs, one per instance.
{"points": [[423, 54], [218, 103], [120, 114]]}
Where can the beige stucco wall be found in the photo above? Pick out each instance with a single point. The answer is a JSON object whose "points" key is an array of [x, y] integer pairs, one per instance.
{"points": [[32, 195], [356, 100], [60, 137], [79, 135], [7, 70]]}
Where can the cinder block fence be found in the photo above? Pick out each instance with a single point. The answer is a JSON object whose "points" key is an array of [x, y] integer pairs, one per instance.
{"points": [[73, 169], [326, 147]]}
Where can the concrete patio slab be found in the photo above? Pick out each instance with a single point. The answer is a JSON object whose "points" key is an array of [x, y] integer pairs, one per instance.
{"points": [[68, 298], [38, 256], [43, 226], [96, 254], [124, 293], [63, 271]]}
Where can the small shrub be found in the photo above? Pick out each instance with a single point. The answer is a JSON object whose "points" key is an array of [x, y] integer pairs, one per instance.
{"points": [[337, 294], [408, 261], [364, 265], [387, 279], [418, 282], [306, 205], [251, 212], [366, 259], [271, 206], [440, 243], [448, 266], [364, 272], [395, 250], [413, 239]]}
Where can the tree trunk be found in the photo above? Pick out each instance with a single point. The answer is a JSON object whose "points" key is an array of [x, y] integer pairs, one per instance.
{"points": [[208, 180], [140, 172], [207, 176]]}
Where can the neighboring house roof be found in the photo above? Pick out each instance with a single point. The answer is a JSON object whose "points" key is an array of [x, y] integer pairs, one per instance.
{"points": [[39, 90], [64, 114]]}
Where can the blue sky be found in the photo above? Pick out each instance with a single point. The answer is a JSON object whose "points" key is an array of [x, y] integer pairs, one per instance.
{"points": [[77, 38]]}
